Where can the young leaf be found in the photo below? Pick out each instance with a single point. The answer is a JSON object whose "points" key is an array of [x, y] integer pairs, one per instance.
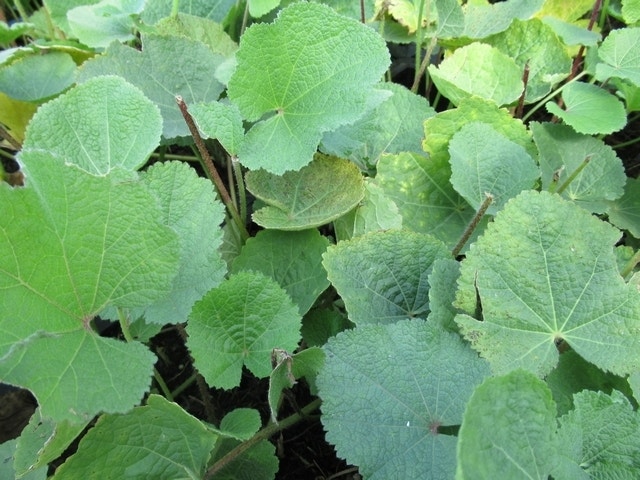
{"points": [[619, 52], [532, 43], [241, 423], [624, 212], [38, 77], [394, 126], [563, 153], [388, 389], [508, 430], [420, 187], [484, 161], [309, 72], [100, 125], [220, 121], [153, 70], [315, 195], [159, 440], [601, 435], [542, 280], [204, 30], [239, 323], [382, 276], [589, 109], [293, 259], [481, 70], [486, 19]]}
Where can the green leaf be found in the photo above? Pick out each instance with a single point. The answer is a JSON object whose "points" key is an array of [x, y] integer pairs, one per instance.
{"points": [[486, 19], [190, 208], [478, 69], [259, 462], [450, 19], [99, 24], [601, 435], [8, 33], [215, 10], [159, 440], [508, 430], [386, 392], [258, 8], [541, 280], [394, 126], [293, 259], [484, 161], [442, 293], [318, 325], [630, 11], [204, 30], [239, 323], [624, 212], [382, 276], [620, 55], [420, 187], [294, 104], [536, 45], [375, 212], [241, 423], [119, 130], [590, 109], [7, 461], [563, 152], [315, 195], [153, 70], [221, 121], [563, 10], [37, 77], [58, 10], [572, 34]]}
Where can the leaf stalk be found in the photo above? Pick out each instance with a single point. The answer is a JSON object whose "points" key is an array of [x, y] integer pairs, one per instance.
{"points": [[472, 225]]}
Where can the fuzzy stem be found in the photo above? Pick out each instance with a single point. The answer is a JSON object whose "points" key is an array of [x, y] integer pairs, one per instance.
{"points": [[631, 264], [263, 434], [473, 224]]}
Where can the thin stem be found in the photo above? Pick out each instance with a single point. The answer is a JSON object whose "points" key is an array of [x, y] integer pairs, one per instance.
{"points": [[525, 80], [174, 8], [263, 434], [573, 176], [550, 96], [424, 64], [631, 264], [418, 59], [162, 384], [472, 225], [175, 156], [7, 136], [211, 169], [245, 19], [363, 17], [184, 385], [627, 143], [242, 193]]}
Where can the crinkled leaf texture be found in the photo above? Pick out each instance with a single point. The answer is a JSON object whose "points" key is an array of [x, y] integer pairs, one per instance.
{"points": [[158, 440], [309, 72], [542, 280], [315, 195], [239, 323], [100, 125], [221, 121], [563, 153], [485, 19], [214, 10], [625, 211], [387, 389], [64, 256], [620, 55], [154, 70], [508, 430], [382, 276], [293, 259]]}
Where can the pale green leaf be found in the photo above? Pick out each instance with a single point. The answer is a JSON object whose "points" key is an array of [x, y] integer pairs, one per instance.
{"points": [[241, 423], [153, 70], [293, 259], [478, 69], [620, 55], [221, 121], [631, 11], [8, 33], [484, 20], [382, 276], [450, 19], [566, 11], [394, 126], [542, 280], [239, 323], [99, 24], [589, 109], [190, 208], [420, 187], [629, 93], [533, 44], [100, 125], [37, 77], [58, 10], [442, 293], [159, 440], [563, 153], [204, 30], [315, 195], [601, 435], [508, 430], [7, 464], [309, 72], [484, 161], [387, 391], [572, 34], [258, 8], [624, 212], [375, 212], [215, 10]]}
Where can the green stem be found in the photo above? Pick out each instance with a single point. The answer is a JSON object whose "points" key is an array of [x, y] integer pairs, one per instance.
{"points": [[418, 58], [242, 193], [174, 156], [631, 264], [162, 384], [627, 143], [472, 225], [184, 385], [175, 8], [572, 177], [424, 64], [23, 13], [263, 434]]}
